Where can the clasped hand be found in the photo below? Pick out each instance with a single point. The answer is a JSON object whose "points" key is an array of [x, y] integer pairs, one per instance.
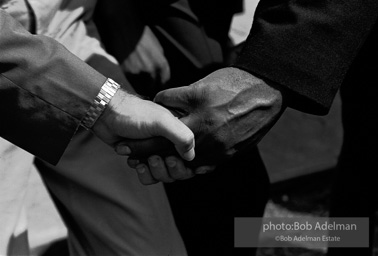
{"points": [[228, 111]]}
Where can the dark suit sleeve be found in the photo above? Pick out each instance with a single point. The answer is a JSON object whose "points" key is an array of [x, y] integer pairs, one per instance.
{"points": [[307, 46], [45, 91]]}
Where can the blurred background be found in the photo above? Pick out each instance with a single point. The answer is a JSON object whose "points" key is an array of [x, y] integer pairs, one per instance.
{"points": [[300, 154]]}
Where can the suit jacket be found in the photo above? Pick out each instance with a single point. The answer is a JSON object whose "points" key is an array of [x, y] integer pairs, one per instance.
{"points": [[45, 91], [307, 47]]}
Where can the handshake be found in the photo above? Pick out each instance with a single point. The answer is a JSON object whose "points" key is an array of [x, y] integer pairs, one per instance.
{"points": [[210, 121]]}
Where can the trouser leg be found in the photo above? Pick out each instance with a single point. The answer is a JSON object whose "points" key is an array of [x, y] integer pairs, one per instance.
{"points": [[205, 206]]}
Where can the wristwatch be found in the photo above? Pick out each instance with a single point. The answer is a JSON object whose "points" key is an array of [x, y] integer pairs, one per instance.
{"points": [[108, 90]]}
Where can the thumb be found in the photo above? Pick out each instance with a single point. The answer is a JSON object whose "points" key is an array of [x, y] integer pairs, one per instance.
{"points": [[170, 131], [179, 134], [175, 98]]}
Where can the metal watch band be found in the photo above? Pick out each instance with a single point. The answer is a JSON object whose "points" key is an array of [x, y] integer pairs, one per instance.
{"points": [[108, 90]]}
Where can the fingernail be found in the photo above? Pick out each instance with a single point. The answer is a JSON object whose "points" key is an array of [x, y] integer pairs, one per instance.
{"points": [[123, 150], [171, 162], [153, 161], [189, 156], [133, 162], [141, 169]]}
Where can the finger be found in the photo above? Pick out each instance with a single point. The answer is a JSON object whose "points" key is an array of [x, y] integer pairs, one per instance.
{"points": [[133, 163], [165, 73], [149, 66], [205, 169], [179, 134], [122, 149], [179, 98], [158, 169], [139, 149], [177, 169], [144, 175], [133, 64]]}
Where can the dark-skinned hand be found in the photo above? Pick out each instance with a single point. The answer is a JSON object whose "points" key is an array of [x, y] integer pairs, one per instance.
{"points": [[228, 111]]}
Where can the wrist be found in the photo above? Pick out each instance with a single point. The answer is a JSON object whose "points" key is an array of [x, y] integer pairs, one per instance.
{"points": [[100, 103], [115, 111], [270, 89]]}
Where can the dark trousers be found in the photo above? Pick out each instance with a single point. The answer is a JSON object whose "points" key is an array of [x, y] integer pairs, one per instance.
{"points": [[355, 192], [205, 207]]}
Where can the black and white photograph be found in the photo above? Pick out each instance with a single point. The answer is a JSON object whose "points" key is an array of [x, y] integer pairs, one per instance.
{"points": [[188, 128]]}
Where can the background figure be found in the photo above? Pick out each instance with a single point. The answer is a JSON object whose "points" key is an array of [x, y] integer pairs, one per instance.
{"points": [[204, 207]]}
